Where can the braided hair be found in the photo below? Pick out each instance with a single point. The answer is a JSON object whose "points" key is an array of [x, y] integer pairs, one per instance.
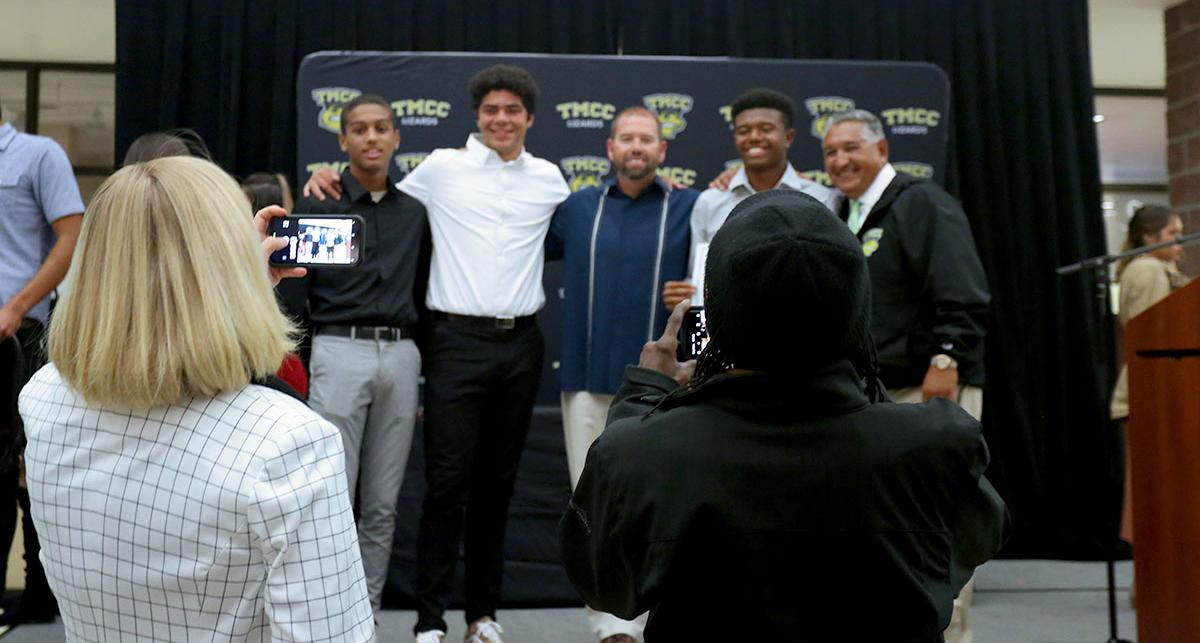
{"points": [[782, 241]]}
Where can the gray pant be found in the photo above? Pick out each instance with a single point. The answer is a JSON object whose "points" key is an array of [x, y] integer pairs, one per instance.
{"points": [[368, 389]]}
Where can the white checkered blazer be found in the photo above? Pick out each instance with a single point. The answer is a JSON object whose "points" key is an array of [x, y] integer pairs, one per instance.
{"points": [[223, 518]]}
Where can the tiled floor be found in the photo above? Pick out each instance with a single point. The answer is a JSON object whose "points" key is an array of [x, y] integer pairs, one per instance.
{"points": [[1015, 602]]}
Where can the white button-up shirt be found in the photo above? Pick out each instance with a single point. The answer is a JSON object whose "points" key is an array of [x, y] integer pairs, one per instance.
{"points": [[489, 219], [714, 206], [875, 191], [224, 518]]}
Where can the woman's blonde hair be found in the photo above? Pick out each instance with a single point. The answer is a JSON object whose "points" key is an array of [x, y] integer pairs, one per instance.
{"points": [[170, 294]]}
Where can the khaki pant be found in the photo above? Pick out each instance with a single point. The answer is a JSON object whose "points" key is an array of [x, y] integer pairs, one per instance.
{"points": [[970, 398], [584, 416]]}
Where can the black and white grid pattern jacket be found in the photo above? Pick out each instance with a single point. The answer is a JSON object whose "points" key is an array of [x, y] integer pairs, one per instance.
{"points": [[224, 518]]}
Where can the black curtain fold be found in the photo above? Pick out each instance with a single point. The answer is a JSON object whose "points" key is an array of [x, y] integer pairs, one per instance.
{"points": [[1023, 159]]}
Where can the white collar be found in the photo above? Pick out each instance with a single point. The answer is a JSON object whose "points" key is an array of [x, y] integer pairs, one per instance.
{"points": [[789, 178], [482, 154], [873, 193]]}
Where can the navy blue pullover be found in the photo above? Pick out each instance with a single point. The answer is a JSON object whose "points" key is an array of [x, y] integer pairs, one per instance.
{"points": [[616, 259]]}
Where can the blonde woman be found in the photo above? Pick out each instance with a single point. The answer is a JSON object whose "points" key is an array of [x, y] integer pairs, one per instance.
{"points": [[177, 500]]}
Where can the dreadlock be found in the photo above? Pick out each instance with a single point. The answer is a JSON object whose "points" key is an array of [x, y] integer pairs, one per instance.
{"points": [[711, 362]]}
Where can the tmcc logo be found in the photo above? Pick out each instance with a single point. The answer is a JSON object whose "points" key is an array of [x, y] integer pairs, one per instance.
{"points": [[421, 112], [670, 110], [818, 176], [338, 166], [331, 100], [822, 107], [919, 170], [684, 176], [584, 171], [410, 160], [911, 120], [586, 114]]}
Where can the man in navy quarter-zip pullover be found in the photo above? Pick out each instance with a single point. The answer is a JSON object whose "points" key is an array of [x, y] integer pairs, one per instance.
{"points": [[621, 242]]}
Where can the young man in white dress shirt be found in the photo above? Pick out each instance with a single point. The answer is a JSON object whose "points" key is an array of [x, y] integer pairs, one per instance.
{"points": [[489, 206]]}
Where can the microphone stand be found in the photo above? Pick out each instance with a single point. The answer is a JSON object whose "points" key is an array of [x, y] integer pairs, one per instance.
{"points": [[1099, 267]]}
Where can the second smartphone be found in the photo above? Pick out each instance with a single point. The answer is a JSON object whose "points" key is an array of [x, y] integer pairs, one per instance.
{"points": [[318, 240]]}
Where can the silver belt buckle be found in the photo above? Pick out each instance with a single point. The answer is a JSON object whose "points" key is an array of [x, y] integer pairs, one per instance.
{"points": [[383, 332], [506, 323]]}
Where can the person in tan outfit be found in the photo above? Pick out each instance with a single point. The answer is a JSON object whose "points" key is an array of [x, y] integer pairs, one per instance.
{"points": [[1145, 280]]}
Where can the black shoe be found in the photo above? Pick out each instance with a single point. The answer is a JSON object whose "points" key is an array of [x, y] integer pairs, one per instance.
{"points": [[28, 612]]}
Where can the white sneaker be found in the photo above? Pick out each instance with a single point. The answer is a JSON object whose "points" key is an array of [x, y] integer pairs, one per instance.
{"points": [[485, 632], [430, 636]]}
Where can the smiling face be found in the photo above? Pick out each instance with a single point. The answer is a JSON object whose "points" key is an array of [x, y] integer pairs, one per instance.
{"points": [[503, 121], [635, 148], [851, 161], [369, 138], [762, 138]]}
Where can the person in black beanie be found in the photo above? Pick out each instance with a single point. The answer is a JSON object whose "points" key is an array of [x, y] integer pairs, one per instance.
{"points": [[749, 496]]}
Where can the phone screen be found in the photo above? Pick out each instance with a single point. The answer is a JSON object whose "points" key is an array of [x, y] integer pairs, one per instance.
{"points": [[317, 240], [693, 335]]}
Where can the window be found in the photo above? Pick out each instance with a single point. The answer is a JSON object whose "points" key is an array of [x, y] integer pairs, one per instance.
{"points": [[12, 97], [72, 103]]}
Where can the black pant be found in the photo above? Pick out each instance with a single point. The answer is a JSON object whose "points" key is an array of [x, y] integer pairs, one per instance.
{"points": [[480, 385], [19, 359]]}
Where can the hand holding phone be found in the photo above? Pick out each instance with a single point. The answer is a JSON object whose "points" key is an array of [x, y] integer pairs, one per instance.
{"points": [[318, 240], [693, 334]]}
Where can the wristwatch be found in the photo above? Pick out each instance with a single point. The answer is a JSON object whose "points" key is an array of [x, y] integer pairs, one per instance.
{"points": [[943, 362]]}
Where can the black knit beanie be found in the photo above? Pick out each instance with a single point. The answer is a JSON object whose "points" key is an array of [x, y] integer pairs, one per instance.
{"points": [[786, 286]]}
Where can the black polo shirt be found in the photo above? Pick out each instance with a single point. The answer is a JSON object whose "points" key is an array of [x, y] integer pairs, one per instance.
{"points": [[387, 287]]}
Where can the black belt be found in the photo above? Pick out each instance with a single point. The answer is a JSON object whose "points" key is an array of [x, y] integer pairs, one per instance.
{"points": [[494, 323], [382, 333]]}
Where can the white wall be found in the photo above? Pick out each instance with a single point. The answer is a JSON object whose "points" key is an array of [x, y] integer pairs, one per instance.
{"points": [[1128, 43], [58, 30]]}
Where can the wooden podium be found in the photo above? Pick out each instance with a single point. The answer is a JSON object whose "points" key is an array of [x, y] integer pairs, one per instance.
{"points": [[1163, 354]]}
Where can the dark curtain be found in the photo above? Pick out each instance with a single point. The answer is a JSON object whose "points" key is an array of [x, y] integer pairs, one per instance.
{"points": [[1023, 160]]}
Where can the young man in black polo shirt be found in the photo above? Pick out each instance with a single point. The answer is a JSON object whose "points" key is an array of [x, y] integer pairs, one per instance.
{"points": [[364, 365]]}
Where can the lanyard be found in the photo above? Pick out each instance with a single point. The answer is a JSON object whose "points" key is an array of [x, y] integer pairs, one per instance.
{"points": [[662, 233]]}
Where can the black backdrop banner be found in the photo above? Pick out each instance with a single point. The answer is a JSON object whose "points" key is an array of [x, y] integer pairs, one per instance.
{"points": [[580, 95], [1022, 157]]}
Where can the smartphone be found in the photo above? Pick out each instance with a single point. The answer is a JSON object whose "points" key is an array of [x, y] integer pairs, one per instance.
{"points": [[318, 240], [693, 335]]}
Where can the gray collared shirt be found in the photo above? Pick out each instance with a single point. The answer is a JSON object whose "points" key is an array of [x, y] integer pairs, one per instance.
{"points": [[37, 188], [714, 206]]}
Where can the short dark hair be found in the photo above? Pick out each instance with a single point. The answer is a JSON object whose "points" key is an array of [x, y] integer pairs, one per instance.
{"points": [[175, 142], [359, 101], [630, 111], [766, 98], [265, 189], [504, 77]]}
